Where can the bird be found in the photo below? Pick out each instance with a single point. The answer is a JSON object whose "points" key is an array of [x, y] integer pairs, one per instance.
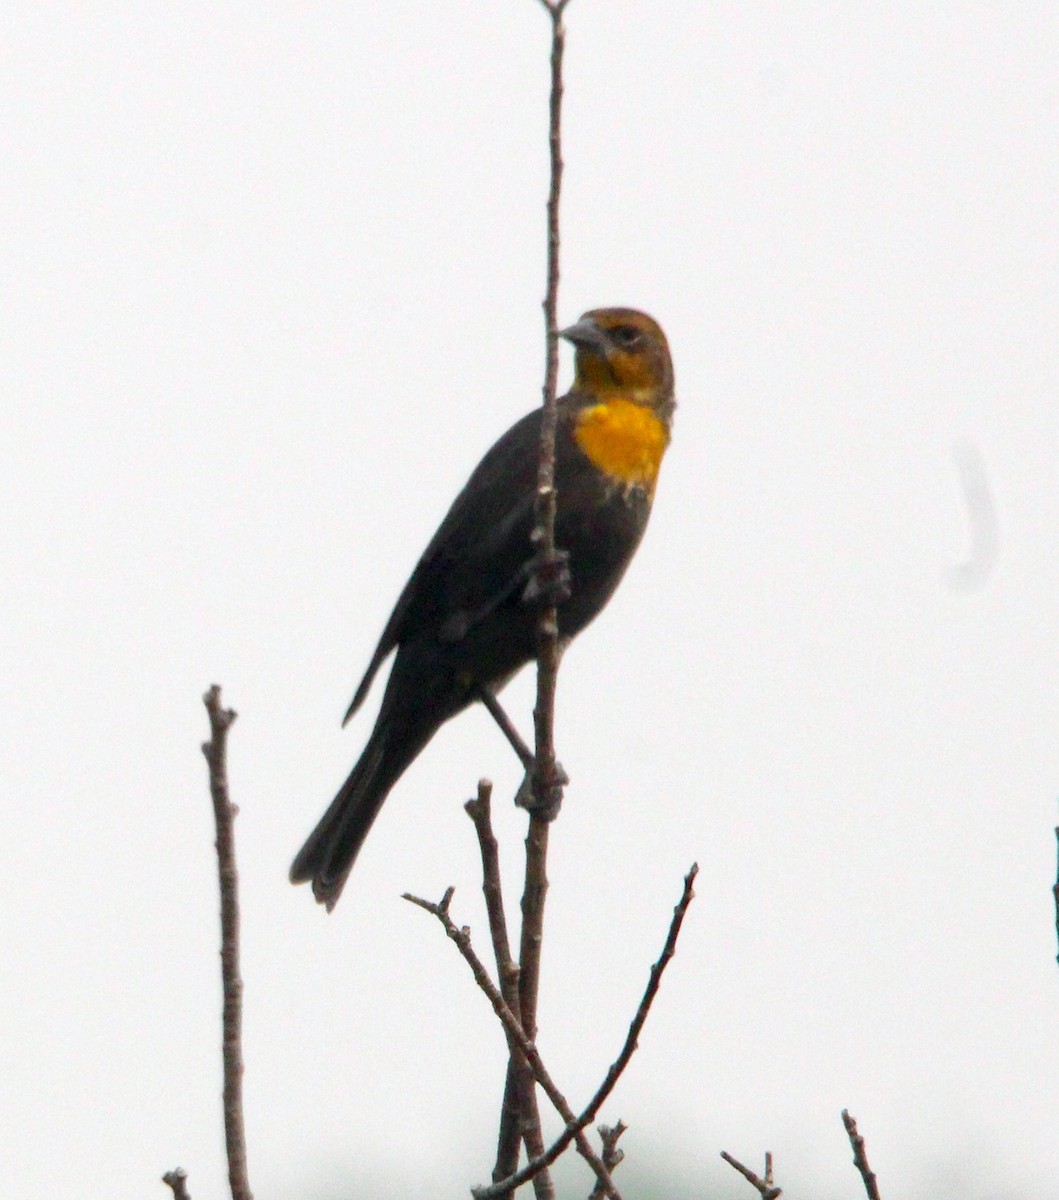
{"points": [[467, 618]]}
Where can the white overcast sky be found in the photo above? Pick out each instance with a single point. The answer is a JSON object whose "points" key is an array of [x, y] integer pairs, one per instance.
{"points": [[271, 284]]}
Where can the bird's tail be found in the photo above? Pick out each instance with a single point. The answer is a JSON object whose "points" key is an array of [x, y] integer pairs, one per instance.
{"points": [[329, 853]]}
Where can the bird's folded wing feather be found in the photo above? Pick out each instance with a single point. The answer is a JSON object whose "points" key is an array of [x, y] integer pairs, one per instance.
{"points": [[474, 560]]}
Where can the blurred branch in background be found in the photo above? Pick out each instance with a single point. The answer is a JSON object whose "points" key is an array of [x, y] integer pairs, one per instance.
{"points": [[1055, 888], [977, 496]]}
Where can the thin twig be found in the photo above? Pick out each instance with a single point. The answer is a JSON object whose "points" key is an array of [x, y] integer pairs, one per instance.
{"points": [[224, 813], [545, 776], [515, 1032], [509, 1137], [480, 812], [612, 1153], [519, 1094], [544, 531], [860, 1158], [614, 1072], [766, 1188], [654, 980], [177, 1181]]}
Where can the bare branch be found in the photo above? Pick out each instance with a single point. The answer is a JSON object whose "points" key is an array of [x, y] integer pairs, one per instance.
{"points": [[517, 1095], [515, 1032], [480, 812], [546, 776], [860, 1158], [654, 980], [574, 1126], [224, 813], [177, 1181], [612, 1154], [530, 943], [509, 1137], [441, 910], [546, 786], [766, 1188]]}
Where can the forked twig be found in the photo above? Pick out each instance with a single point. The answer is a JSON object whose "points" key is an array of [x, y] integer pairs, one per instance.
{"points": [[616, 1068], [612, 1154], [766, 1187], [515, 1032], [628, 1049], [574, 1124]]}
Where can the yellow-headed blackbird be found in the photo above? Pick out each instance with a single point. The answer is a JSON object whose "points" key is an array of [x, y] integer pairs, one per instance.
{"points": [[464, 619]]}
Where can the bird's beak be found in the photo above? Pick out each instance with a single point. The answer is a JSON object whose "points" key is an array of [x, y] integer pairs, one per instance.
{"points": [[586, 335]]}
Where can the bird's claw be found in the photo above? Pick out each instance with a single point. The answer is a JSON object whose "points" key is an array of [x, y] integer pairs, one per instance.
{"points": [[543, 797], [548, 578]]}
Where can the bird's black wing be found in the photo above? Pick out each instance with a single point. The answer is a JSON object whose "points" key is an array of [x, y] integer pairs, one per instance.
{"points": [[476, 556]]}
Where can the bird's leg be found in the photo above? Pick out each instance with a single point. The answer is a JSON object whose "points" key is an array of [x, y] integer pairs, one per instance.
{"points": [[507, 727], [526, 796]]}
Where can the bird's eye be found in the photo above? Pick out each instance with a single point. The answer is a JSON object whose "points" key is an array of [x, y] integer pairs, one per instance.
{"points": [[626, 336]]}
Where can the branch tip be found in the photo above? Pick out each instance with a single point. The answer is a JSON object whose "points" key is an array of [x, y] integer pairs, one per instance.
{"points": [[860, 1157], [766, 1188], [224, 811], [177, 1181], [575, 1125]]}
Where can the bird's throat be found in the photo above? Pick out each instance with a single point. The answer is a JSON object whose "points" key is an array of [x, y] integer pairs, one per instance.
{"points": [[624, 440]]}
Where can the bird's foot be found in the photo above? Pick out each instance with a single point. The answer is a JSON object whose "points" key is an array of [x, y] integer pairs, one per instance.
{"points": [[543, 797], [547, 579]]}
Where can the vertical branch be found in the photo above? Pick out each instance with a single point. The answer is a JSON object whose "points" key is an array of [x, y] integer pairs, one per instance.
{"points": [[545, 773], [216, 752], [509, 1138], [546, 776], [548, 628]]}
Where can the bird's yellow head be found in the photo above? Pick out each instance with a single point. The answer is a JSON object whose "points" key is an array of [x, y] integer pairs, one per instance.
{"points": [[622, 354]]}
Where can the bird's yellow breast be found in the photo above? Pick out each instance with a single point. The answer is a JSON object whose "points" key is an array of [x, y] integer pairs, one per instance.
{"points": [[625, 440]]}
